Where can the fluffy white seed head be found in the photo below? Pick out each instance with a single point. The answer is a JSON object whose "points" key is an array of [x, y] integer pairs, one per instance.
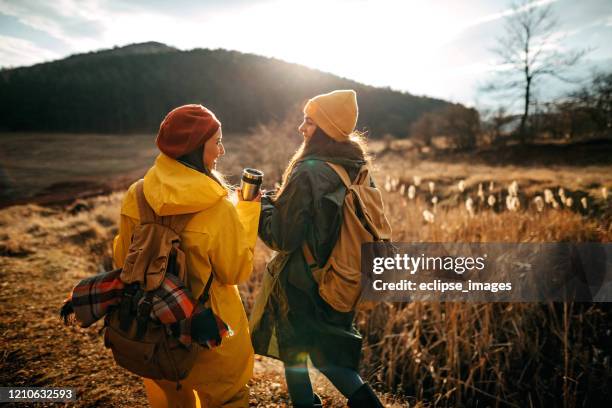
{"points": [[584, 203], [461, 186], [394, 183], [469, 206], [516, 204], [387, 186], [428, 216], [548, 196], [513, 188], [411, 192], [432, 187], [417, 180], [512, 203], [561, 192], [539, 203], [481, 194], [491, 200]]}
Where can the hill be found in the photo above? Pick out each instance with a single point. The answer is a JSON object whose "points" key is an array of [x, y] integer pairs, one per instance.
{"points": [[130, 89]]}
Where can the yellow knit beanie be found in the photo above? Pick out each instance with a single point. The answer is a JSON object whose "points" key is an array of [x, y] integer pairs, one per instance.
{"points": [[335, 113]]}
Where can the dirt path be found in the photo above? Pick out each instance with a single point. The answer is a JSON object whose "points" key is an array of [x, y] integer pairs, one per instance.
{"points": [[43, 252]]}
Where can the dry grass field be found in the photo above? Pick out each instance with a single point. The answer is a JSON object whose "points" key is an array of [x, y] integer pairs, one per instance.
{"points": [[418, 354]]}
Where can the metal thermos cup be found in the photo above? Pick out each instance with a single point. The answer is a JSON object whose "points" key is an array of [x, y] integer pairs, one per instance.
{"points": [[250, 183]]}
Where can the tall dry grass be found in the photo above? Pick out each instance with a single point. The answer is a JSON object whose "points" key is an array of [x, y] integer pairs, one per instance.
{"points": [[491, 354]]}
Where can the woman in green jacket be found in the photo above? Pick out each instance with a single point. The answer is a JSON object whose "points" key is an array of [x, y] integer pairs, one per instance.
{"points": [[290, 320]]}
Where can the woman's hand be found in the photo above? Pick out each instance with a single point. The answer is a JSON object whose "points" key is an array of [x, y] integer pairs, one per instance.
{"points": [[257, 198]]}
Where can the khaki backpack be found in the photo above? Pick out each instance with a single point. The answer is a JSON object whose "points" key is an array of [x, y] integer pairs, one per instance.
{"points": [[140, 344], [364, 221]]}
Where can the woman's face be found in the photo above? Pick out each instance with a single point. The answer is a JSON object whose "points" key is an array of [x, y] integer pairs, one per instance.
{"points": [[213, 149], [307, 128]]}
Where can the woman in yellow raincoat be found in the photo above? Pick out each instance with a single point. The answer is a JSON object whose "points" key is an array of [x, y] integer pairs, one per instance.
{"points": [[219, 239]]}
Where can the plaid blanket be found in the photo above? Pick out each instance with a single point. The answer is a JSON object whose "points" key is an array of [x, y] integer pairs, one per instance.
{"points": [[172, 305], [92, 297]]}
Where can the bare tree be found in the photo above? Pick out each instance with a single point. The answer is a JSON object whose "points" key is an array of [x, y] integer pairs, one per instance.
{"points": [[424, 129], [528, 52], [462, 125], [458, 124]]}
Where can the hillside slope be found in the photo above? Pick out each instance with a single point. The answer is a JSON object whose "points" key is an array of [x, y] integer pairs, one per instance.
{"points": [[130, 89]]}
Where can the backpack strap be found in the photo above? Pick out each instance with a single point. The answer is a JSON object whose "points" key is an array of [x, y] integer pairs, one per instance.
{"points": [[317, 272], [363, 177], [205, 295], [146, 213], [177, 223], [342, 173]]}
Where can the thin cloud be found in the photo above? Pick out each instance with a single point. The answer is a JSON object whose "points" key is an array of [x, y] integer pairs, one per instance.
{"points": [[73, 22], [17, 51]]}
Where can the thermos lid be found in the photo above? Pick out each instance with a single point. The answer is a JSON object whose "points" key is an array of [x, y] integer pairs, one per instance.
{"points": [[252, 176]]}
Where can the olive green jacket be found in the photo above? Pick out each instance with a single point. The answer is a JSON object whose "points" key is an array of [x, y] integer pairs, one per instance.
{"points": [[289, 316]]}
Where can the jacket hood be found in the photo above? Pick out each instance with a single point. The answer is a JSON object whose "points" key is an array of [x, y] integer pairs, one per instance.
{"points": [[172, 188]]}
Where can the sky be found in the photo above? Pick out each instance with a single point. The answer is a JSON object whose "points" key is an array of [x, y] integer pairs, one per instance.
{"points": [[439, 48]]}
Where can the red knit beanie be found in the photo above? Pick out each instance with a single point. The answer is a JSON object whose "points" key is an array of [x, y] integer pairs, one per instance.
{"points": [[186, 128]]}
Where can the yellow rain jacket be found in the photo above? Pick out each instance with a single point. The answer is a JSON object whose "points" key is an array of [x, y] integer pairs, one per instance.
{"points": [[219, 238]]}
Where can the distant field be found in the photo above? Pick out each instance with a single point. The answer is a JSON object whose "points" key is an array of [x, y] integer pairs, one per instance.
{"points": [[44, 165], [52, 168], [55, 168]]}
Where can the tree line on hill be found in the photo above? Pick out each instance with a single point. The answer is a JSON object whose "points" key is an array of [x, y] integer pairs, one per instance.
{"points": [[130, 89]]}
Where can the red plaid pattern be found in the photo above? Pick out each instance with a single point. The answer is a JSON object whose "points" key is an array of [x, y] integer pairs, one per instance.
{"points": [[93, 296], [172, 304]]}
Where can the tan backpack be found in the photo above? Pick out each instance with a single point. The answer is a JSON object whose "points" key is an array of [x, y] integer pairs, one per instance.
{"points": [[140, 344], [364, 221]]}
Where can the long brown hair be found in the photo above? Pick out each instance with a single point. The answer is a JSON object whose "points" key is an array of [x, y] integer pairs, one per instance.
{"points": [[194, 160], [320, 143]]}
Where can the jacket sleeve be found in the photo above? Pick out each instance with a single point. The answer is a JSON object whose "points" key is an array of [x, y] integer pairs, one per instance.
{"points": [[231, 254], [283, 224], [122, 241]]}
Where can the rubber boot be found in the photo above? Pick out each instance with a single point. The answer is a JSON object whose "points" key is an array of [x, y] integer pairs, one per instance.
{"points": [[364, 397]]}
